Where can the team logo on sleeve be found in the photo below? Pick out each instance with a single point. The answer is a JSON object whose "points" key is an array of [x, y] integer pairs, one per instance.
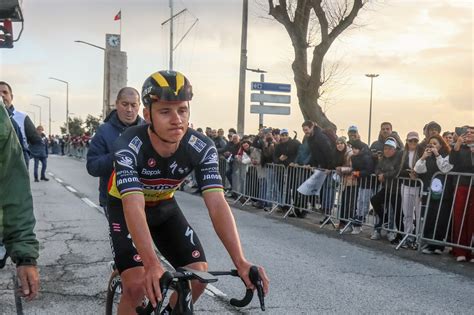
{"points": [[197, 143], [125, 158], [135, 144], [210, 157]]}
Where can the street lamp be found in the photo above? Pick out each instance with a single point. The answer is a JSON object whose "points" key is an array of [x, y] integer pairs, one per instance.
{"points": [[49, 100], [67, 101], [86, 43], [41, 122], [371, 76]]}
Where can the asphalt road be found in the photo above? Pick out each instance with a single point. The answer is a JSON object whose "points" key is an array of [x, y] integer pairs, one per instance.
{"points": [[311, 270]]}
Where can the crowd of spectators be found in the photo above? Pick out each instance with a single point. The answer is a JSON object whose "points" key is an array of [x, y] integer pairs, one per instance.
{"points": [[370, 178]]}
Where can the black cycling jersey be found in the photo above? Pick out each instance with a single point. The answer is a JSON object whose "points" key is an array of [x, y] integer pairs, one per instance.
{"points": [[140, 169]]}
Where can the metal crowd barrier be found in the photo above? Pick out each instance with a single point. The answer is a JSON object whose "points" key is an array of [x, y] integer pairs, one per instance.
{"points": [[449, 216], [75, 151]]}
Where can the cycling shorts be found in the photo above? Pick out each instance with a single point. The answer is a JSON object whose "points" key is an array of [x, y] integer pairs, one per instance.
{"points": [[171, 233]]}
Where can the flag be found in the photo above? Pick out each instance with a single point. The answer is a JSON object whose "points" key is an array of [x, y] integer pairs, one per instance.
{"points": [[118, 16]]}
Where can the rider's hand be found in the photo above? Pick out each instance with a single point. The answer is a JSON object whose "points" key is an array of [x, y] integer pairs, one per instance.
{"points": [[152, 283], [243, 271], [29, 281]]}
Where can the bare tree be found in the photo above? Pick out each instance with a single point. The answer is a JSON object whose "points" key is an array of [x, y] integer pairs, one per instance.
{"points": [[313, 23]]}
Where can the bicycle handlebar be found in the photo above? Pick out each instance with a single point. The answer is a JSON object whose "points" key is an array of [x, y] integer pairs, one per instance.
{"points": [[205, 277]]}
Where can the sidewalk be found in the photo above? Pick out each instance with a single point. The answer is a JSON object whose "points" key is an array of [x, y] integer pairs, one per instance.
{"points": [[74, 252]]}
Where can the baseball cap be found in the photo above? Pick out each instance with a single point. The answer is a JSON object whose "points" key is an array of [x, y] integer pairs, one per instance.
{"points": [[352, 129], [413, 135], [391, 143], [284, 130]]}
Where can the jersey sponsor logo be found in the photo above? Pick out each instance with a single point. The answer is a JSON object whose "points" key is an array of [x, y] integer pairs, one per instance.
{"points": [[126, 158], [152, 162], [125, 172], [196, 254], [150, 172], [189, 232], [173, 167], [211, 157], [211, 176], [127, 180], [210, 169], [160, 184], [197, 143], [135, 144]]}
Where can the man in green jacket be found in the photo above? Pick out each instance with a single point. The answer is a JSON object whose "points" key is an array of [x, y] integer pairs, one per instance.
{"points": [[16, 208]]}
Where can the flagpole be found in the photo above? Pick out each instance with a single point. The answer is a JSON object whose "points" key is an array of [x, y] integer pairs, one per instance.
{"points": [[121, 24]]}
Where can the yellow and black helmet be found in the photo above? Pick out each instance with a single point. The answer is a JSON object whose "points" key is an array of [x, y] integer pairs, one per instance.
{"points": [[166, 86]]}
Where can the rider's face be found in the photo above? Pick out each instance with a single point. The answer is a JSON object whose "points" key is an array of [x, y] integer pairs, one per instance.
{"points": [[170, 120]]}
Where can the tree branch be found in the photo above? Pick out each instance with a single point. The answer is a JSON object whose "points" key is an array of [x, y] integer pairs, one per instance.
{"points": [[323, 21]]}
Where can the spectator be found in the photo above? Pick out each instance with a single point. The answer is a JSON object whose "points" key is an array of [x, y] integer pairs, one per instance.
{"points": [[448, 137], [461, 157], [230, 151], [28, 130], [353, 133], [362, 168], [322, 156], [231, 132], [240, 166], [219, 141], [347, 182], [386, 131], [276, 135], [209, 132], [387, 170], [259, 140], [303, 157], [39, 152], [410, 188], [286, 150], [16, 210], [100, 155], [435, 159], [430, 129]]}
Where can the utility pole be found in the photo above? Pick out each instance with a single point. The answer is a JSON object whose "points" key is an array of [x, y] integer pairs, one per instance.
{"points": [[37, 106], [171, 34], [49, 103], [243, 67], [67, 100], [371, 76]]}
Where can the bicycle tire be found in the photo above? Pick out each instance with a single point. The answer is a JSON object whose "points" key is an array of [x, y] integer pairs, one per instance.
{"points": [[114, 290]]}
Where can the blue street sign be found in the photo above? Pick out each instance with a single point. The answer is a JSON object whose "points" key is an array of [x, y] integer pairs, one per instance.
{"points": [[273, 87]]}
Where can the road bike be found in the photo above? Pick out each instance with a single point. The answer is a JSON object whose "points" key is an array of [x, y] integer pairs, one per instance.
{"points": [[179, 281]]}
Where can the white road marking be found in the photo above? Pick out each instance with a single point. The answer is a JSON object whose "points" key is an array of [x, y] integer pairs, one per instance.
{"points": [[71, 189], [50, 174], [89, 202], [215, 290], [59, 180]]}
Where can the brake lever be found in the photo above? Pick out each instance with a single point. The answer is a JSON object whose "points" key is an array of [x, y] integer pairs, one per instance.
{"points": [[165, 282], [258, 283]]}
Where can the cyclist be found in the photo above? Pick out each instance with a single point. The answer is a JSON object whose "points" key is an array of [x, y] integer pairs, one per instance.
{"points": [[151, 161]]}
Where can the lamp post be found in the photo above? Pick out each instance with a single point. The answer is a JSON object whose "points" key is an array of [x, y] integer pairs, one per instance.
{"points": [[371, 76], [49, 100], [40, 121], [86, 43], [67, 101]]}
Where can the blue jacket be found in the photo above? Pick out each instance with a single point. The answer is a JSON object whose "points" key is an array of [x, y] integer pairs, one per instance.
{"points": [[40, 150], [101, 155]]}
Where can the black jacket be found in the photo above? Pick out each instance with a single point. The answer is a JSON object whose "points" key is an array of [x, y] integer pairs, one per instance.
{"points": [[322, 149], [289, 148], [364, 164], [463, 162]]}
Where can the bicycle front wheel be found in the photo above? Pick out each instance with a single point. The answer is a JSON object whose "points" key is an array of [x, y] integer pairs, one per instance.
{"points": [[114, 291]]}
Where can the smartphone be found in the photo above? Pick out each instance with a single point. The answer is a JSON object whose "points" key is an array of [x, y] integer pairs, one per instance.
{"points": [[460, 130]]}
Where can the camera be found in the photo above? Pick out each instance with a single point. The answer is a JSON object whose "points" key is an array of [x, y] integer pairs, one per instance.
{"points": [[460, 130]]}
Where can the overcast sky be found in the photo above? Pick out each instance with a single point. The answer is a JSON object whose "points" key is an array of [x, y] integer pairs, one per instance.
{"points": [[422, 49]]}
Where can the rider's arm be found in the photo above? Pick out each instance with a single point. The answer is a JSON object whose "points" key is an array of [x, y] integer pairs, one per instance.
{"points": [[224, 225], [134, 211]]}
